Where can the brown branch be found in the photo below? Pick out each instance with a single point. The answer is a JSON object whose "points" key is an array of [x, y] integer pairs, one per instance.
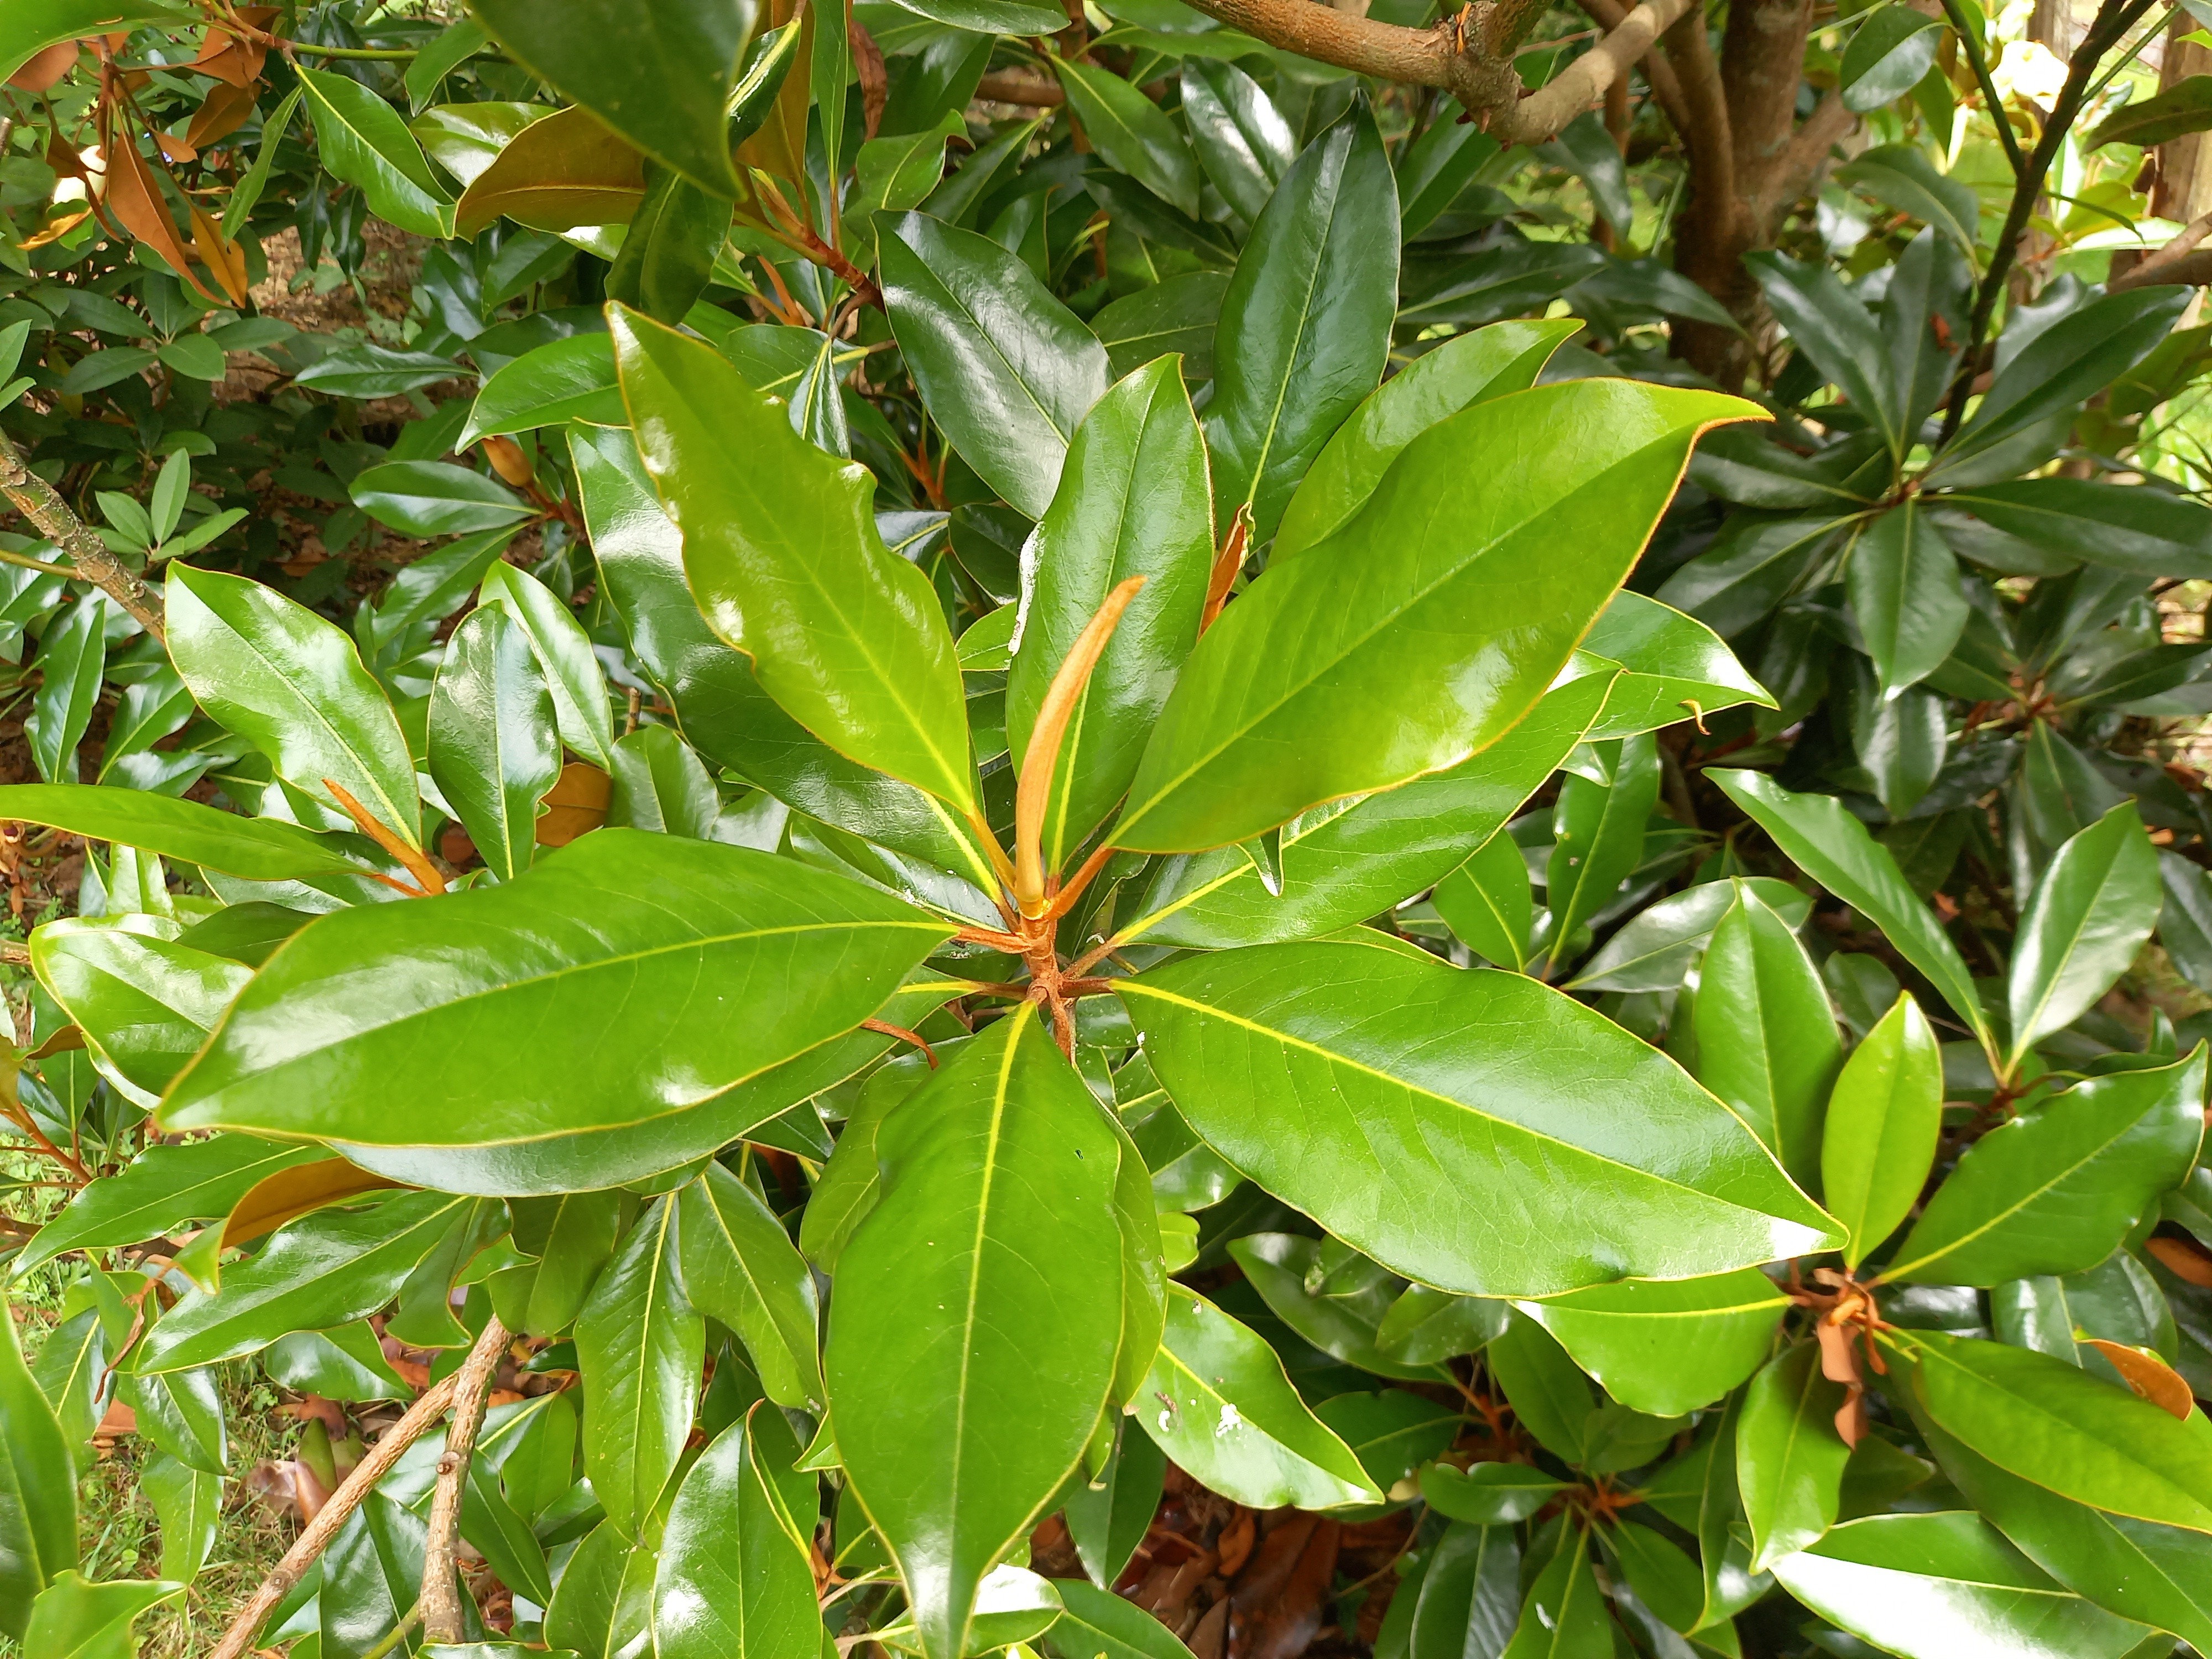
{"points": [[37, 501], [1657, 71], [442, 1595], [1806, 157], [1475, 66], [2178, 265], [421, 1417], [1013, 87]]}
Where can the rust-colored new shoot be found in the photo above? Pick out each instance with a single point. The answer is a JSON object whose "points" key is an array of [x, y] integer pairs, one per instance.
{"points": [[1042, 758], [414, 859], [1226, 564]]}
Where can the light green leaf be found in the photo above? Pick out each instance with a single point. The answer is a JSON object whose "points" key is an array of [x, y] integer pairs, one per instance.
{"points": [[1414, 1109], [1884, 1117], [362, 140], [640, 1344], [783, 553], [493, 748]]}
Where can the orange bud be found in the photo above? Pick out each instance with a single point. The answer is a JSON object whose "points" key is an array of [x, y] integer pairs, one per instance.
{"points": [[507, 460]]}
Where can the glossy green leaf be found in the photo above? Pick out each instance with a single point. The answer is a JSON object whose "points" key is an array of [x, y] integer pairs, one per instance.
{"points": [[72, 653], [1550, 1395], [146, 1004], [374, 371], [1487, 903], [78, 1619], [1176, 315], [188, 1506], [37, 1487], [1488, 1494], [1412, 1108], [293, 685], [783, 553], [661, 76], [1564, 1616], [2055, 1189], [1675, 667], [1007, 372], [493, 748], [1108, 1516], [1423, 1326], [1346, 861], [573, 1235], [720, 704], [436, 498], [2161, 1575], [1392, 1432], [30, 29], [158, 1191], [1465, 1597], [1907, 596], [1305, 324], [1667, 1347], [660, 784], [1598, 826], [1788, 1456], [1422, 631], [734, 1580], [1932, 1586], [999, 1162], [1884, 1117], [2091, 912], [259, 849], [669, 249], [602, 1606], [1889, 52], [565, 379], [1656, 948], [565, 658], [181, 1412], [741, 1267], [598, 954], [1243, 144], [640, 1343], [1096, 1624], [1480, 364], [328, 1268], [361, 139], [1219, 1404], [1833, 848], [372, 1571], [1132, 132], [2053, 1424], [1766, 1039], [1133, 501], [1901, 176]]}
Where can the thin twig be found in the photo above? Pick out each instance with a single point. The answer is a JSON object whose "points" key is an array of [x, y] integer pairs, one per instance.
{"points": [[421, 1417], [442, 1595], [37, 501], [1971, 42], [397, 1633]]}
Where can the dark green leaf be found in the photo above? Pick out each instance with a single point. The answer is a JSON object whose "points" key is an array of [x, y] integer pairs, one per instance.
{"points": [[493, 748], [2172, 111], [734, 1580], [571, 378], [37, 1487], [1890, 51], [361, 139], [1132, 132], [2091, 912], [640, 1343], [661, 77], [1833, 848], [1244, 144], [328, 1268], [740, 1268], [1007, 371], [1306, 325], [1905, 594]]}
